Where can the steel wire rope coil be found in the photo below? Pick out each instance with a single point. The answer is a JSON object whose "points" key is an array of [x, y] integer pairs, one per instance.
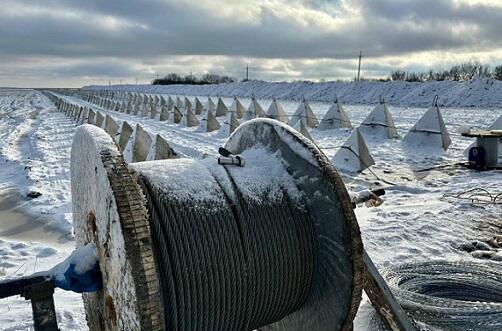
{"points": [[283, 254], [450, 295]]}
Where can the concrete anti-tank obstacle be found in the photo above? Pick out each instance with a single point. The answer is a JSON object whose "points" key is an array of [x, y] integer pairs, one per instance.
{"points": [[78, 114], [335, 118], [188, 104], [100, 120], [111, 127], [163, 150], [237, 108], [177, 115], [354, 155], [276, 112], [163, 101], [145, 110], [179, 102], [85, 116], [229, 125], [189, 119], [125, 134], [142, 144], [429, 130], [208, 122], [302, 128], [199, 108], [221, 108], [304, 114], [137, 109], [164, 114], [129, 108], [379, 122], [91, 117], [170, 103], [153, 112]]}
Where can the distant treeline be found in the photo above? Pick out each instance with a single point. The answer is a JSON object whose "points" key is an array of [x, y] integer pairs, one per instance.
{"points": [[174, 78], [459, 72]]}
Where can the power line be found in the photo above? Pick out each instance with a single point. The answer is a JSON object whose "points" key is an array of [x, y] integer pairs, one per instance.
{"points": [[359, 66]]}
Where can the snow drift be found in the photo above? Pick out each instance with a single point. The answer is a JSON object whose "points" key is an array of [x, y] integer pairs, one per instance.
{"points": [[475, 93]]}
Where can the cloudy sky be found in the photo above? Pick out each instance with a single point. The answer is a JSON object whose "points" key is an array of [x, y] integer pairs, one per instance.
{"points": [[74, 42]]}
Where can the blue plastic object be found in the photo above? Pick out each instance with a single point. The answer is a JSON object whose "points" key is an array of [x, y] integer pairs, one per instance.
{"points": [[90, 281], [477, 157], [79, 272]]}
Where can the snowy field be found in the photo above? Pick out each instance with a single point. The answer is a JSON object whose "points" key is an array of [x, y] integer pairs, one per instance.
{"points": [[415, 223]]}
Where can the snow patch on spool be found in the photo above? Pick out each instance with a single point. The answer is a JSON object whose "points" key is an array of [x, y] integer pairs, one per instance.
{"points": [[249, 134], [263, 178], [166, 175]]}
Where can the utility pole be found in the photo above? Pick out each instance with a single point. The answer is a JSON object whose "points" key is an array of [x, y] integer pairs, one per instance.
{"points": [[109, 83], [247, 72], [359, 66], [136, 80]]}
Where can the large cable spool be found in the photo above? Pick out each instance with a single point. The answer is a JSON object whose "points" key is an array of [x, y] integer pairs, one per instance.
{"points": [[272, 245]]}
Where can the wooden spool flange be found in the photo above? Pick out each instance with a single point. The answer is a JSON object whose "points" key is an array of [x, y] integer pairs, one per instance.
{"points": [[108, 210]]}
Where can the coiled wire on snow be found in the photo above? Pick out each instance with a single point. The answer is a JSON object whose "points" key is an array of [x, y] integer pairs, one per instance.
{"points": [[450, 295], [238, 267]]}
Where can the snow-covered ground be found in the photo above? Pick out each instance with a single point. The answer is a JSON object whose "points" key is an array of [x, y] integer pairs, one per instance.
{"points": [[415, 223], [35, 234], [475, 93]]}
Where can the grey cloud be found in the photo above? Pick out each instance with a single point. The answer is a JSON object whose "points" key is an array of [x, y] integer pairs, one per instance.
{"points": [[160, 34], [389, 27]]}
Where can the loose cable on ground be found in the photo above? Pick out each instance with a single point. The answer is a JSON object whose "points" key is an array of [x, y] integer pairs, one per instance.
{"points": [[476, 196], [452, 296]]}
